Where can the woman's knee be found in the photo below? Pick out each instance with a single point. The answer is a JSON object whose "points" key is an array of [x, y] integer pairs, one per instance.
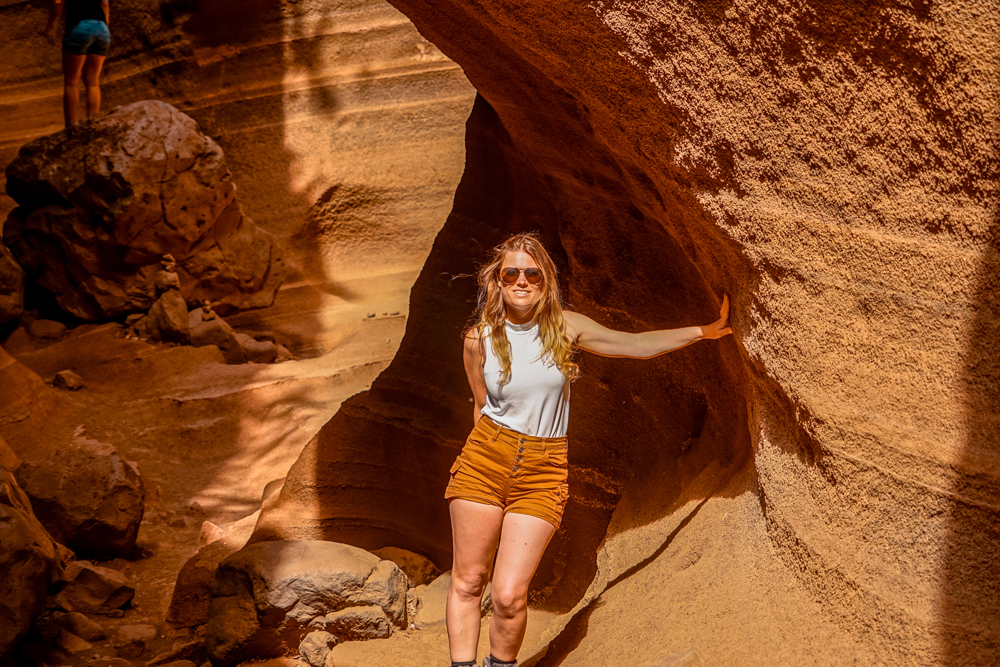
{"points": [[508, 601], [470, 583]]}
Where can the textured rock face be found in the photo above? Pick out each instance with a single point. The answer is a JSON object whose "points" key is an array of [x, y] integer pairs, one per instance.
{"points": [[11, 285], [343, 126], [833, 167], [92, 589], [99, 207], [269, 595], [87, 497], [29, 560]]}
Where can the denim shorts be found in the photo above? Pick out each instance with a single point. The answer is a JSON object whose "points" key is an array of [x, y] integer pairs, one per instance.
{"points": [[512, 471], [87, 37]]}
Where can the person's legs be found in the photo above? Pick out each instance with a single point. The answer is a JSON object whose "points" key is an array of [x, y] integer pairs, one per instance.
{"points": [[91, 79], [72, 67], [522, 544], [475, 528]]}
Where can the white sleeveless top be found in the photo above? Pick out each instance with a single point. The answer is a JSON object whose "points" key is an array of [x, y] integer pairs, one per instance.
{"points": [[536, 400]]}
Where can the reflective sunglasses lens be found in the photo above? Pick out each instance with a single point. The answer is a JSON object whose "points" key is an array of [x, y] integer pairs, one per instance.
{"points": [[533, 275], [509, 275]]}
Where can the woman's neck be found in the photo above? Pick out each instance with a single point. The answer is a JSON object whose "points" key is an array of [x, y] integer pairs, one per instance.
{"points": [[520, 316]]}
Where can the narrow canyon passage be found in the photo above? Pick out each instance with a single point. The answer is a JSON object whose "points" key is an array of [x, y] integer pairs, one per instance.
{"points": [[823, 487]]}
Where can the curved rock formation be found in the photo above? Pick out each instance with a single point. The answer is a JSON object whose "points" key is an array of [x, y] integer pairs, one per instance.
{"points": [[830, 165]]}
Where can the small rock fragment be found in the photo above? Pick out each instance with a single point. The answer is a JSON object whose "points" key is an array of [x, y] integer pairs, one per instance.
{"points": [[68, 380], [432, 599], [70, 643], [191, 651], [93, 589], [257, 351], [108, 661], [316, 646], [209, 533], [48, 329], [418, 569], [79, 625]]}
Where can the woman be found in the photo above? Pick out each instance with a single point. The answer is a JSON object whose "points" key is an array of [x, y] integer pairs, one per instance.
{"points": [[85, 46], [508, 486]]}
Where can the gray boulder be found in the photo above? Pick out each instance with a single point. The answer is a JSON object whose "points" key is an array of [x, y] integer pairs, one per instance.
{"points": [[269, 595], [87, 497], [11, 286], [29, 560], [101, 204]]}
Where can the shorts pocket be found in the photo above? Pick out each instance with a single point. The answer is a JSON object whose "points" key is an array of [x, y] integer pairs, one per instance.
{"points": [[556, 457]]}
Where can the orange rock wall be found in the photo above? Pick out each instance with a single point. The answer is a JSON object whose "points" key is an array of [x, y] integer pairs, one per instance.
{"points": [[830, 165]]}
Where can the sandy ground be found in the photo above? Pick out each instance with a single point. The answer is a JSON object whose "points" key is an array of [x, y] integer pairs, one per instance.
{"points": [[207, 437]]}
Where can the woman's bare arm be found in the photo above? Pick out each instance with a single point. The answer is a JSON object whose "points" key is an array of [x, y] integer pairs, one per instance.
{"points": [[55, 9], [473, 359], [590, 336]]}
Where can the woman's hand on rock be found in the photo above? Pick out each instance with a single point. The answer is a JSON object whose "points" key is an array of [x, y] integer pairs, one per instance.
{"points": [[720, 327]]}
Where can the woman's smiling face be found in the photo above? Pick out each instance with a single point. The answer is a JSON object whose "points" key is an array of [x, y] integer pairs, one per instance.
{"points": [[520, 296]]}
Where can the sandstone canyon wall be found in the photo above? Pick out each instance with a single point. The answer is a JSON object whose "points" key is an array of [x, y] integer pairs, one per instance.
{"points": [[833, 167], [341, 124]]}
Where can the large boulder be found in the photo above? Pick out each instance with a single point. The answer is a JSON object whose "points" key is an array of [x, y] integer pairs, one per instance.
{"points": [[11, 286], [87, 496], [29, 560], [100, 204], [270, 595]]}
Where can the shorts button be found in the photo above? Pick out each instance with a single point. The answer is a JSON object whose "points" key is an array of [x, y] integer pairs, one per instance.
{"points": [[515, 468], [520, 450], [522, 441], [518, 459]]}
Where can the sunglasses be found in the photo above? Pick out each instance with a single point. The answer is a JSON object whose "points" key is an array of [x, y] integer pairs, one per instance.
{"points": [[510, 274]]}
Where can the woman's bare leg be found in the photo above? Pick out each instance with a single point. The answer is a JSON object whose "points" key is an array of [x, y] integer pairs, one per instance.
{"points": [[522, 544], [72, 67], [91, 80], [475, 528]]}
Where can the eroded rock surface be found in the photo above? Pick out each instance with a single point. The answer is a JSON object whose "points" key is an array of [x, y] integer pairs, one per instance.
{"points": [[29, 559], [87, 497], [268, 596], [101, 204], [92, 589], [11, 285]]}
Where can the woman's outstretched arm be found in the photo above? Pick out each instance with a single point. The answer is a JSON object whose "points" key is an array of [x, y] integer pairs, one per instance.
{"points": [[592, 337]]}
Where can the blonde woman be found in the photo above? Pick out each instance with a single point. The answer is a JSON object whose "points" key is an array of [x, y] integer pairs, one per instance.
{"points": [[508, 486]]}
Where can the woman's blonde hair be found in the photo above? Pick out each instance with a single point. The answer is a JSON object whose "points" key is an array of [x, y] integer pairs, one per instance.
{"points": [[491, 312]]}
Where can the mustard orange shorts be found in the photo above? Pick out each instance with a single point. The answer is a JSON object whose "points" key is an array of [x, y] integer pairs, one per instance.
{"points": [[515, 472]]}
